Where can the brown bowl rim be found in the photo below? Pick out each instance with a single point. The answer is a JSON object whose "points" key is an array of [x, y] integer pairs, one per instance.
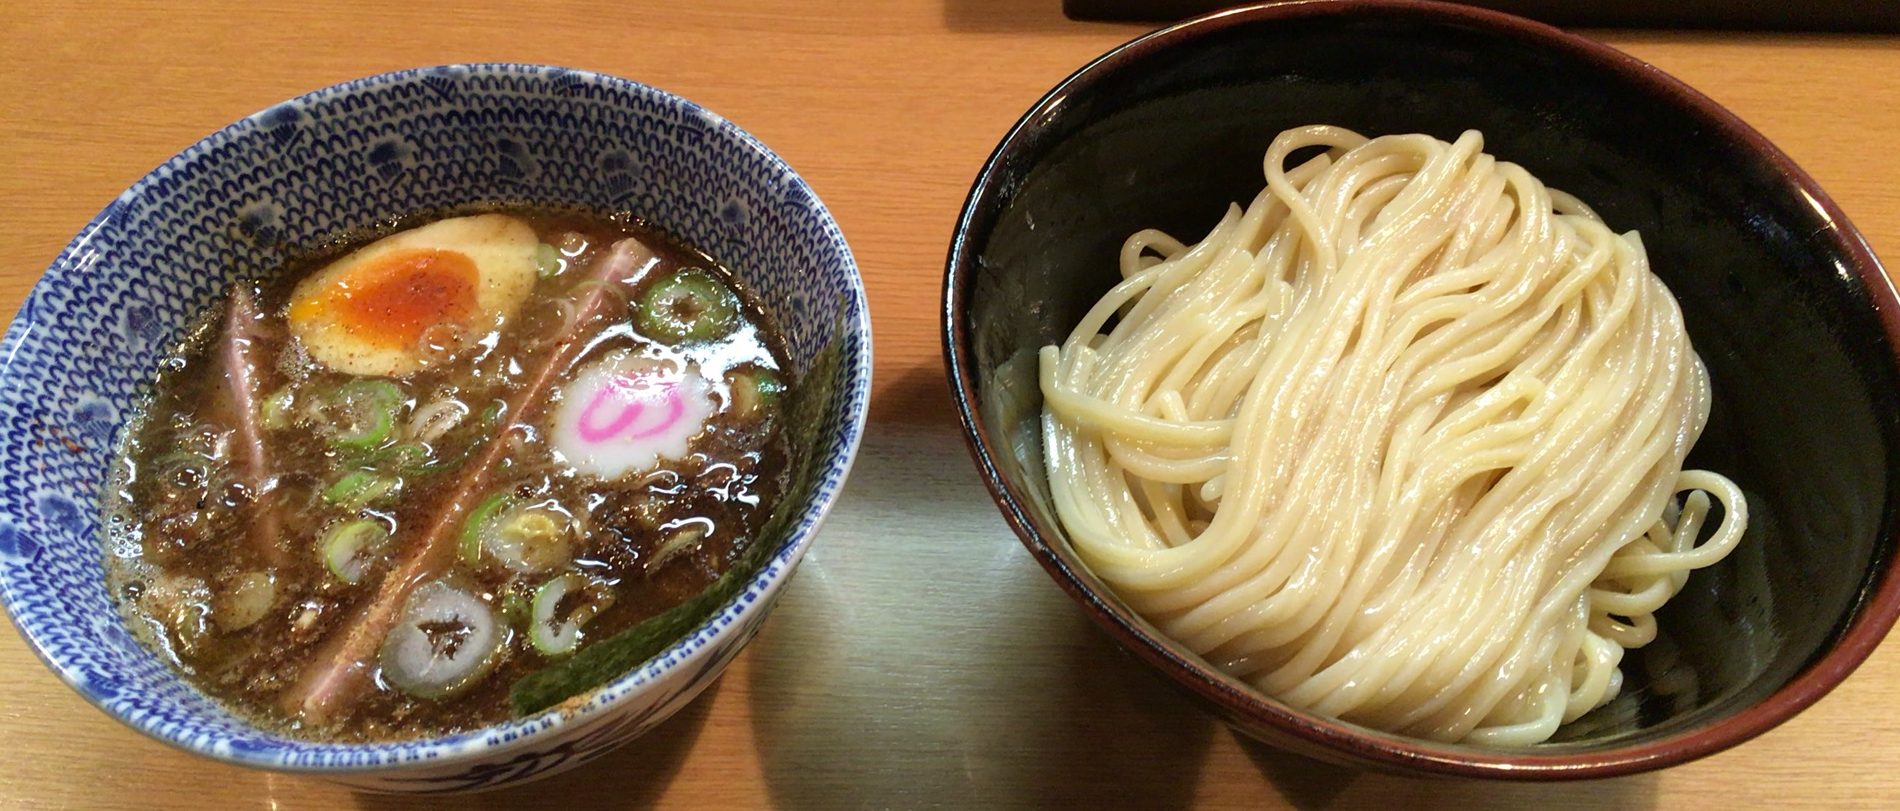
{"points": [[1872, 616]]}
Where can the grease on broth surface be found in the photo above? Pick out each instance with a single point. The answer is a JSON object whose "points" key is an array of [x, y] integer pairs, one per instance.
{"points": [[373, 494]]}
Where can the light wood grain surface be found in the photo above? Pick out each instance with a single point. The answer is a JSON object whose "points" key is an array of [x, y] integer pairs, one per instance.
{"points": [[919, 657]]}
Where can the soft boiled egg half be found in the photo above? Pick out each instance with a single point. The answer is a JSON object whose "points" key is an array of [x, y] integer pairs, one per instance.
{"points": [[416, 297]]}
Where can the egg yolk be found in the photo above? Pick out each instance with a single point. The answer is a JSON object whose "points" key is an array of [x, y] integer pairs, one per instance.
{"points": [[393, 300]]}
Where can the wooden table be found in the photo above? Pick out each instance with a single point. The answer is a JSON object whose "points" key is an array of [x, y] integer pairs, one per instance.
{"points": [[919, 657]]}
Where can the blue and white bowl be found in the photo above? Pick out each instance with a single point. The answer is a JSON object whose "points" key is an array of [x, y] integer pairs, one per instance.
{"points": [[90, 336]]}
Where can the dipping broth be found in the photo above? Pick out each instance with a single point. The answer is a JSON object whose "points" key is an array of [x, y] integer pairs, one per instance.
{"points": [[370, 496]]}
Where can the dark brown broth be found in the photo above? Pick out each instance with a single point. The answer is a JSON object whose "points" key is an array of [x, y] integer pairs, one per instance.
{"points": [[179, 511]]}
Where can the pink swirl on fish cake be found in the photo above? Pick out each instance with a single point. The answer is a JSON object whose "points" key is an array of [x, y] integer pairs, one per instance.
{"points": [[627, 412]]}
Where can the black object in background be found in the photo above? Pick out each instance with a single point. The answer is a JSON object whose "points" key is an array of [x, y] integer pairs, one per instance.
{"points": [[1862, 16]]}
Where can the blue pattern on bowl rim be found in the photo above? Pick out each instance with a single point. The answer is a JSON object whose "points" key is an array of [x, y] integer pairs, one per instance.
{"points": [[86, 342]]}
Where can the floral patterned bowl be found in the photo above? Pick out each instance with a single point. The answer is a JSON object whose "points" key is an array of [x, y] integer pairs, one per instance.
{"points": [[88, 340]]}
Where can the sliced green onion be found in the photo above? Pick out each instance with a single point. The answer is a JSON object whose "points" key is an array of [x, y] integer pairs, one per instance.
{"points": [[514, 605], [350, 547], [361, 488], [446, 640], [403, 455], [436, 419], [477, 523], [530, 537], [547, 260], [182, 604], [365, 413], [249, 598], [689, 305], [755, 393], [491, 416], [446, 462], [677, 541], [555, 635], [275, 412]]}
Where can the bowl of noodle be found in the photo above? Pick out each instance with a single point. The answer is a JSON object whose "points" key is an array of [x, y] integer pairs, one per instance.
{"points": [[1428, 389]]}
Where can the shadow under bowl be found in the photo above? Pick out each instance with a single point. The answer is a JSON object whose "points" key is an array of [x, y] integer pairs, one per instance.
{"points": [[1788, 308]]}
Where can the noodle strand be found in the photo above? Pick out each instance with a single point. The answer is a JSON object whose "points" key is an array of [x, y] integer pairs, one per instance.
{"points": [[1400, 441]]}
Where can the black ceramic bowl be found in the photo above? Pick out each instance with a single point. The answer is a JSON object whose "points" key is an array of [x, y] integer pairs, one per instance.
{"points": [[1788, 308]]}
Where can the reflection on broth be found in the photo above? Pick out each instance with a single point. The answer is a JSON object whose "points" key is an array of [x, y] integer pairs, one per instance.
{"points": [[372, 496]]}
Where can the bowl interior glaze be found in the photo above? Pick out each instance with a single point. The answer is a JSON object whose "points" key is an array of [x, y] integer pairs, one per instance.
{"points": [[1787, 308]]}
